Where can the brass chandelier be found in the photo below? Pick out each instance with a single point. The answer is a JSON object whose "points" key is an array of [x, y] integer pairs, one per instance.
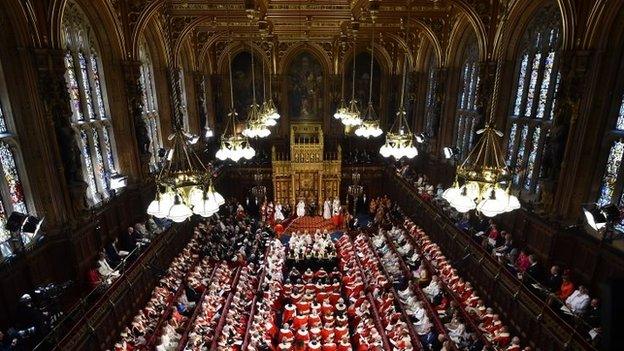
{"points": [[184, 185], [369, 127], [400, 139], [483, 180], [234, 146]]}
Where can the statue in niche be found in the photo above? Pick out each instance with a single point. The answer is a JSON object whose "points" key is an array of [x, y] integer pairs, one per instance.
{"points": [[305, 88]]}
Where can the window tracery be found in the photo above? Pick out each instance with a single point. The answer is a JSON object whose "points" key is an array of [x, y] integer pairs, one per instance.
{"points": [[150, 107], [90, 117], [466, 115], [533, 100]]}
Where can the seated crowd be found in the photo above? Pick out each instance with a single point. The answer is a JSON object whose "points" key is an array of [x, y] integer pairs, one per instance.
{"points": [[305, 246], [557, 286], [121, 250], [197, 280]]}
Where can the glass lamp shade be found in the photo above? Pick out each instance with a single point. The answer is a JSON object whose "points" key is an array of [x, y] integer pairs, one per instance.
{"points": [[410, 152], [451, 193], [222, 153], [367, 130], [208, 133], [472, 190], [341, 111], [195, 196], [513, 203], [463, 202], [179, 212], [247, 152], [160, 206], [219, 198], [385, 150], [207, 207], [269, 121]]}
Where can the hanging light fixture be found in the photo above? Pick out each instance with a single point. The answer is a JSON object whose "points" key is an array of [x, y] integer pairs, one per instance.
{"points": [[234, 146], [269, 111], [255, 126], [184, 184], [370, 123], [400, 139], [483, 181], [342, 106], [351, 117]]}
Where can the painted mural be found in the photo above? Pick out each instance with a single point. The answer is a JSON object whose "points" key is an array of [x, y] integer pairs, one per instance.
{"points": [[304, 78], [242, 79]]}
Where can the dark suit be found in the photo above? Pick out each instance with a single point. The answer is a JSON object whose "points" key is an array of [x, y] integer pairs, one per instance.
{"points": [[535, 272], [553, 283]]}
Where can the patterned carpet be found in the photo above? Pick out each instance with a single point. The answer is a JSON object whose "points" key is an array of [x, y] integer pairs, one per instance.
{"points": [[310, 224]]}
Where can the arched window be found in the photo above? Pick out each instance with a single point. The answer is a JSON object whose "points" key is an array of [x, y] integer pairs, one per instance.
{"points": [[13, 196], [467, 117], [150, 107], [533, 99], [430, 98], [90, 117], [611, 181]]}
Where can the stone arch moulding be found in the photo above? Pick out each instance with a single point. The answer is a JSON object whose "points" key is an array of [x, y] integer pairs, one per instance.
{"points": [[148, 13], [234, 49], [311, 48], [509, 36], [101, 12]]}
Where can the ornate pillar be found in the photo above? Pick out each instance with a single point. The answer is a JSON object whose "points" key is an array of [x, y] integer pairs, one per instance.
{"points": [[200, 88], [564, 144], [173, 75], [134, 94], [53, 89]]}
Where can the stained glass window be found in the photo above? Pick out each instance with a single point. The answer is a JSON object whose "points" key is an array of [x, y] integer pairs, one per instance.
{"points": [[530, 172], [150, 111], [13, 194], [534, 95], [91, 119], [612, 169], [466, 118]]}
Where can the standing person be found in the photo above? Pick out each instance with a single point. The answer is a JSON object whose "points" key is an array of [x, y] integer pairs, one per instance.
{"points": [[336, 206], [279, 215], [327, 209], [301, 208]]}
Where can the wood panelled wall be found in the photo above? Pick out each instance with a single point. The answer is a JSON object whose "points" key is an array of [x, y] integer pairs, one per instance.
{"points": [[532, 319], [67, 255]]}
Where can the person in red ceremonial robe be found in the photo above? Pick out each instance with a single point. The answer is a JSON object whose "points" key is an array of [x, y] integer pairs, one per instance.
{"points": [[300, 321], [330, 346], [286, 334], [515, 344], [302, 338], [501, 337], [285, 346], [240, 212], [270, 213], [263, 212], [344, 345], [314, 346], [290, 311], [279, 229], [303, 306]]}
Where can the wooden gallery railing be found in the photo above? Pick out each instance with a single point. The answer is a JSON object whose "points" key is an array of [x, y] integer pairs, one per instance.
{"points": [[525, 312], [101, 322]]}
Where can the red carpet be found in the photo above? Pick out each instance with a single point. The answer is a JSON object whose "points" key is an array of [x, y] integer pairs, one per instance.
{"points": [[311, 224]]}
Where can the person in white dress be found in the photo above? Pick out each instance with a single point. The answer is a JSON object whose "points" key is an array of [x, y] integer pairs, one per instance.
{"points": [[336, 206], [279, 215], [327, 209], [301, 208]]}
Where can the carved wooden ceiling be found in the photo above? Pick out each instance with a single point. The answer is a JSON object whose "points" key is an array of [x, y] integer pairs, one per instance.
{"points": [[210, 24]]}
